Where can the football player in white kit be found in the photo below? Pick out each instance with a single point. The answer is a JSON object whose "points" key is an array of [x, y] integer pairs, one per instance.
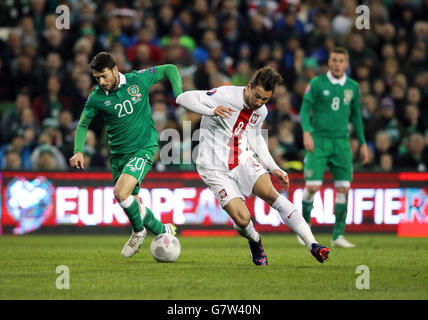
{"points": [[230, 137]]}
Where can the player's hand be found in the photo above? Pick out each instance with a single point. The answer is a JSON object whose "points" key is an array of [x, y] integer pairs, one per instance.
{"points": [[282, 177], [223, 112], [77, 161], [365, 154], [308, 141]]}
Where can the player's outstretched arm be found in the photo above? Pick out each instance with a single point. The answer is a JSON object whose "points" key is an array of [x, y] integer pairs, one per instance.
{"points": [[357, 122], [170, 72], [191, 100]]}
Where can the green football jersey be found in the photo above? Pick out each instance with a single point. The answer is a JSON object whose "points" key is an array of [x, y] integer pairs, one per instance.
{"points": [[327, 108], [126, 111]]}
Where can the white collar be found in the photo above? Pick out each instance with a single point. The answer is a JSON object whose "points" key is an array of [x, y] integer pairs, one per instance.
{"points": [[122, 80], [334, 80]]}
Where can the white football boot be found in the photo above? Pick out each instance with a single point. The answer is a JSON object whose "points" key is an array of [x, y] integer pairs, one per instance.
{"points": [[342, 242], [132, 246]]}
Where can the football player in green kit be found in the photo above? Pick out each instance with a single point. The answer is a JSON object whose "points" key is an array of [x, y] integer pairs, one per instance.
{"points": [[123, 102], [330, 100]]}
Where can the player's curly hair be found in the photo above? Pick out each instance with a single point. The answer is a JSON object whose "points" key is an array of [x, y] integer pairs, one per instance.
{"points": [[102, 60], [267, 77]]}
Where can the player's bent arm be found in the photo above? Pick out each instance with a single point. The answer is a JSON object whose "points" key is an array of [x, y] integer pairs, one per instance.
{"points": [[170, 72], [258, 144], [190, 100], [304, 116], [308, 100], [356, 119], [81, 131]]}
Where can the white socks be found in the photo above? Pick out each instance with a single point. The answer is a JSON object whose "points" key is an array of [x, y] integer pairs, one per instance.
{"points": [[294, 220], [248, 232], [341, 198], [127, 202], [308, 197]]}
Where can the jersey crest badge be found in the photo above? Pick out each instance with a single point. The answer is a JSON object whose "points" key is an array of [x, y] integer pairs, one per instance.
{"points": [[134, 91], [222, 193], [348, 96], [254, 118]]}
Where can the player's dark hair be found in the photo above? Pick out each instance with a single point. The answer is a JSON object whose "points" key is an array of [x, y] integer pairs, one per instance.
{"points": [[340, 50], [266, 77], [101, 61]]}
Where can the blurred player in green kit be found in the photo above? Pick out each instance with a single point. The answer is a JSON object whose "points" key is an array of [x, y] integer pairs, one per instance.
{"points": [[123, 102], [329, 102]]}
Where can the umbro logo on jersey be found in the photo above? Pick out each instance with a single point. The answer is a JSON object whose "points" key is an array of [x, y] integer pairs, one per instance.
{"points": [[107, 103]]}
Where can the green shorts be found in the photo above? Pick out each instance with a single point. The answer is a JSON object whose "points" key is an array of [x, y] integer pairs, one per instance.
{"points": [[334, 153], [136, 164]]}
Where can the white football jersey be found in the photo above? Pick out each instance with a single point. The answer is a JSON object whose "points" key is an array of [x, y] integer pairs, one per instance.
{"points": [[223, 143]]}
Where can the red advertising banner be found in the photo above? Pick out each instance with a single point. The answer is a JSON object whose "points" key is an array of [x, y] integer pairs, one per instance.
{"points": [[30, 200]]}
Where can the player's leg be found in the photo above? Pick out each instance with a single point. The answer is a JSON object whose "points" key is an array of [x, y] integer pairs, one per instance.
{"points": [[340, 212], [242, 223], [314, 167], [137, 166], [232, 201], [341, 169], [241, 217], [311, 187], [153, 224], [289, 214], [122, 192], [133, 169]]}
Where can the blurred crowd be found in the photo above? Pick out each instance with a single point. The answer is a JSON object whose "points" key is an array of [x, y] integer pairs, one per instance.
{"points": [[45, 78]]}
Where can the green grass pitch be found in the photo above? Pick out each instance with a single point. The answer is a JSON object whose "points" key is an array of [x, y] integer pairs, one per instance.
{"points": [[212, 268]]}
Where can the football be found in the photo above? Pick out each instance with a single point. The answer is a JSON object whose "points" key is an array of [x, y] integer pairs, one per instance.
{"points": [[165, 248]]}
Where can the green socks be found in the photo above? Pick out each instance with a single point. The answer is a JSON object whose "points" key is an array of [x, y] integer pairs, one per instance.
{"points": [[151, 223], [340, 211], [306, 211], [138, 219], [132, 210]]}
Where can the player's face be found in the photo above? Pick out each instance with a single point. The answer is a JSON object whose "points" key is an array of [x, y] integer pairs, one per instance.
{"points": [[107, 79], [257, 96], [338, 63]]}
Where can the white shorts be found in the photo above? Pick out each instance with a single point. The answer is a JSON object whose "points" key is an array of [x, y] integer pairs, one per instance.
{"points": [[237, 183]]}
